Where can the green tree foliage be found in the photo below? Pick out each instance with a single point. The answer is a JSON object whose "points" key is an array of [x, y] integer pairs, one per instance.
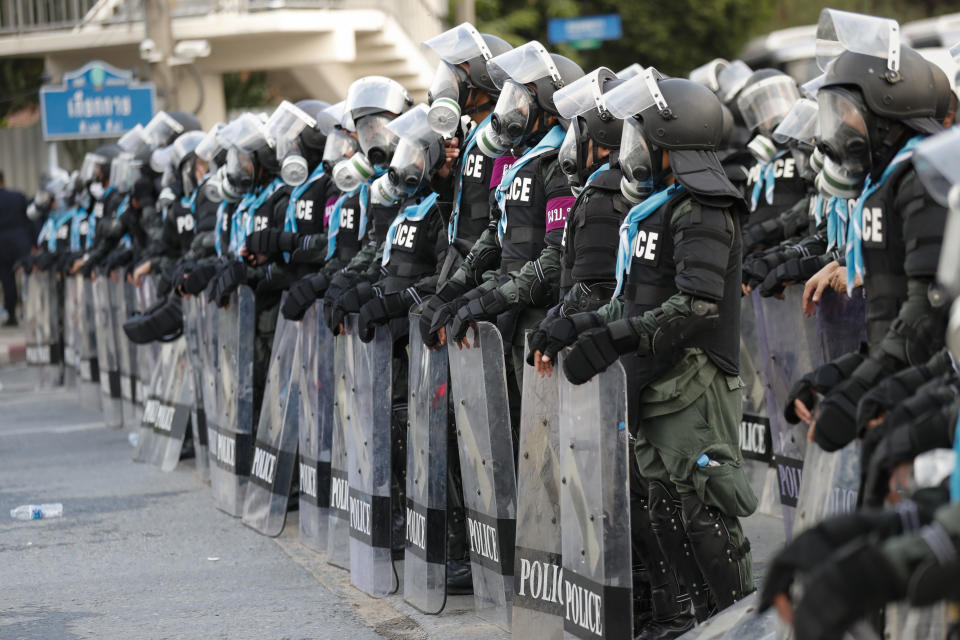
{"points": [[246, 89], [20, 80]]}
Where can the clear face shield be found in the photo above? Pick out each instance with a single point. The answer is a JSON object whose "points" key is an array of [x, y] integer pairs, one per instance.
{"points": [[124, 172], [417, 153], [844, 141], [569, 157], [708, 74], [731, 79], [839, 31], [90, 169], [238, 174], [936, 162], [160, 159], [134, 141], [376, 141], [282, 131], [515, 113], [799, 130], [636, 162], [340, 146], [766, 103], [210, 145], [161, 129]]}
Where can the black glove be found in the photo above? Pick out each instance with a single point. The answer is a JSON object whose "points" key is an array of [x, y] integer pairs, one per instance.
{"points": [[597, 349], [349, 301], [271, 241], [430, 307], [380, 310], [895, 389], [814, 546], [302, 294], [277, 279], [843, 589], [226, 282], [196, 280], [340, 282], [837, 419], [820, 380], [537, 339], [486, 307], [563, 332]]}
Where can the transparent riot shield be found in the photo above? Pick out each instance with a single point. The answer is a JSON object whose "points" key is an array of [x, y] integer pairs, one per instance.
{"points": [[147, 444], [789, 347], [173, 415], [756, 441], [70, 320], [317, 398], [841, 323], [487, 467], [107, 354], [147, 354], [595, 506], [424, 565], [88, 366], [44, 347], [537, 579], [123, 295], [903, 622], [829, 485], [194, 330], [234, 438], [209, 375], [338, 529], [275, 446], [369, 461], [738, 622]]}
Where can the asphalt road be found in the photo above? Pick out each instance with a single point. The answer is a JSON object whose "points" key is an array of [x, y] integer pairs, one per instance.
{"points": [[144, 554]]}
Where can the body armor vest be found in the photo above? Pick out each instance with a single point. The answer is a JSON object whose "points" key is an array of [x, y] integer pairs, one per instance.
{"points": [[651, 282], [348, 238], [593, 232], [474, 217], [183, 224], [310, 207], [789, 188], [413, 249], [269, 215], [526, 204]]}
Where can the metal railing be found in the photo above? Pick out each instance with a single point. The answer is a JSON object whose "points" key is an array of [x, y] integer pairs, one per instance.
{"points": [[24, 16]]}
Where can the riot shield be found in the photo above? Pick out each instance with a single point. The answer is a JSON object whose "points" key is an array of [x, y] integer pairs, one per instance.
{"points": [[538, 597], [70, 319], [194, 330], [147, 445], [756, 442], [903, 622], [234, 437], [597, 574], [209, 375], [44, 346], [173, 415], [841, 323], [122, 295], [738, 622], [338, 529], [275, 446], [369, 461], [487, 467], [317, 391], [88, 366], [789, 348], [107, 354], [424, 565], [147, 354]]}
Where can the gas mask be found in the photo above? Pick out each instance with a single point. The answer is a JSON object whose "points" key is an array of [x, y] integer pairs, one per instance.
{"points": [[97, 190], [447, 95], [350, 173], [238, 175], [165, 198], [210, 188], [515, 114], [845, 142], [572, 157], [640, 163], [282, 131], [227, 191], [491, 143], [340, 146], [188, 179], [376, 141]]}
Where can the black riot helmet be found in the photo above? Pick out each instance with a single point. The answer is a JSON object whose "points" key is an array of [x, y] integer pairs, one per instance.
{"points": [[519, 107], [582, 103], [676, 115], [371, 103], [292, 131]]}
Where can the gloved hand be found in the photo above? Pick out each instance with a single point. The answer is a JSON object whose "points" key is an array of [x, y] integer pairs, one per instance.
{"points": [[341, 281], [894, 390], [836, 425], [537, 339], [226, 282], [349, 301], [448, 292], [271, 241], [597, 349], [563, 332], [196, 280], [815, 545], [302, 294], [486, 307], [380, 310], [820, 380], [846, 586], [276, 279]]}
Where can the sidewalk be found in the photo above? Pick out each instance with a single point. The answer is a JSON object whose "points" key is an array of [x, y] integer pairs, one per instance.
{"points": [[13, 345]]}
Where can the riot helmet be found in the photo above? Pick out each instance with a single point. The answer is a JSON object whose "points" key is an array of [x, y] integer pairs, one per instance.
{"points": [[294, 135], [419, 154], [371, 103], [763, 103]]}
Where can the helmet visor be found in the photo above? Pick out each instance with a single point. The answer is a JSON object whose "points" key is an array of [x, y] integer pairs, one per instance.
{"points": [[330, 118], [801, 124], [210, 144], [635, 159], [458, 44], [766, 103], [935, 160], [134, 141], [124, 172], [582, 95], [413, 126], [284, 125], [844, 135], [88, 170], [379, 93], [707, 74], [635, 95], [246, 133], [731, 79], [522, 65], [340, 145], [161, 128], [839, 31], [183, 145], [376, 140]]}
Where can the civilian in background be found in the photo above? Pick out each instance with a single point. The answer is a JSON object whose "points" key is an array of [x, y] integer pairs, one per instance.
{"points": [[15, 242]]}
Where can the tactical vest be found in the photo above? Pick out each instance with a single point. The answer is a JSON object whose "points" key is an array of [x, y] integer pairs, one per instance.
{"points": [[184, 225], [592, 233], [526, 204], [269, 215], [651, 282], [474, 217], [206, 213], [82, 220], [225, 225], [348, 238], [789, 188], [379, 218], [413, 252], [310, 207], [885, 249]]}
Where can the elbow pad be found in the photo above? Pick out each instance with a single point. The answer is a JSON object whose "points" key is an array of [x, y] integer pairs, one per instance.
{"points": [[673, 331], [703, 239]]}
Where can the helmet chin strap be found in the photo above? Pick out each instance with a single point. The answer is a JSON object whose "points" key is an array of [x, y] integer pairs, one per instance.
{"points": [[890, 136]]}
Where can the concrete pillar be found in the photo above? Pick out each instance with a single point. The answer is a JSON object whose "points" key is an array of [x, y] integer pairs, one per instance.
{"points": [[214, 107]]}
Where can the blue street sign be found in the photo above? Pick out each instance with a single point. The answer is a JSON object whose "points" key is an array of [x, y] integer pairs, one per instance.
{"points": [[605, 27], [95, 101]]}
